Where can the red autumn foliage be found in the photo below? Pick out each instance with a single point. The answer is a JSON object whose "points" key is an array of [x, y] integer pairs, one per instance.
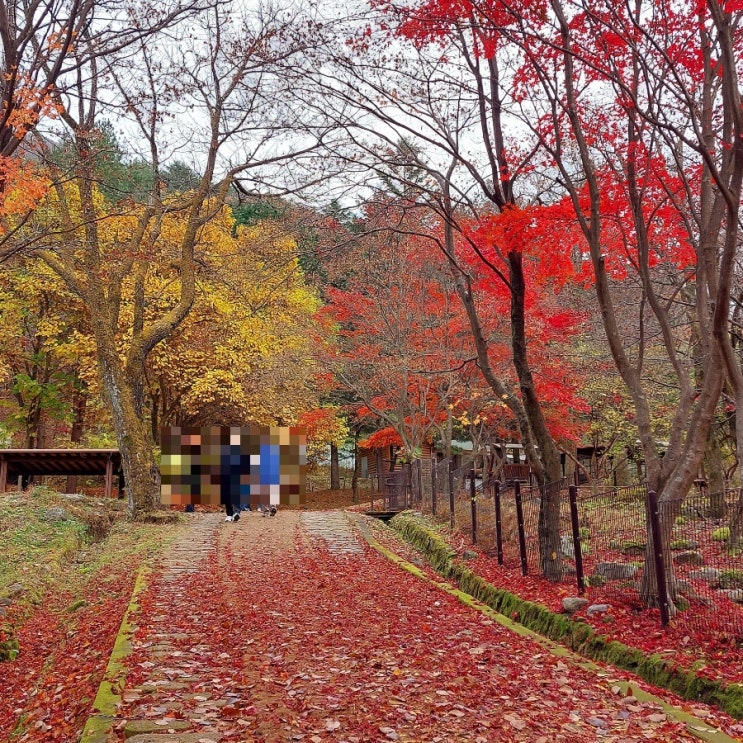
{"points": [[285, 636], [48, 690]]}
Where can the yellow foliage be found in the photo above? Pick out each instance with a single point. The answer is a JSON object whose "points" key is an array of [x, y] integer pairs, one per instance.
{"points": [[244, 352]]}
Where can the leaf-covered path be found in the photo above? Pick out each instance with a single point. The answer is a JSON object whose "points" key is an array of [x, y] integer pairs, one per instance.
{"points": [[294, 629]]}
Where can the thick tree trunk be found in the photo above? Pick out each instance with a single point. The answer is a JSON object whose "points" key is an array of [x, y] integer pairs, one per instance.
{"points": [[715, 472], [550, 551], [132, 436], [335, 476], [669, 510], [547, 467]]}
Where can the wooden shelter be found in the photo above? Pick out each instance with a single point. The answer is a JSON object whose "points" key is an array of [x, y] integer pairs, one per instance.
{"points": [[17, 465]]}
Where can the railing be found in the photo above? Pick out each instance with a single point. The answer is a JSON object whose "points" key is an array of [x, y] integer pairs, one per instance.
{"points": [[615, 544]]}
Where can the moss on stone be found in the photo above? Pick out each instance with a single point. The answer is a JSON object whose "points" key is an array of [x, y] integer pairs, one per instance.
{"points": [[731, 578], [575, 635]]}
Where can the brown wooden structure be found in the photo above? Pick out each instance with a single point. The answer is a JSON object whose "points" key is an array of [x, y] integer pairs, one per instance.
{"points": [[16, 465]]}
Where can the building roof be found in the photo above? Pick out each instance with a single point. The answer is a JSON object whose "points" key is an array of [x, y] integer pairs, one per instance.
{"points": [[59, 461]]}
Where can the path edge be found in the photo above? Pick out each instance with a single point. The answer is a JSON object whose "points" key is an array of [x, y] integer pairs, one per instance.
{"points": [[695, 726], [99, 725]]}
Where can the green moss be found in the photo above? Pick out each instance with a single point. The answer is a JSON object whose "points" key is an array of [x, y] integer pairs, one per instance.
{"points": [[681, 603], [575, 635], [722, 534], [731, 578], [9, 649], [633, 546], [107, 700], [681, 544]]}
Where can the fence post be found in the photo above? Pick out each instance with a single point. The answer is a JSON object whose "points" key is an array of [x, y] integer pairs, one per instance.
{"points": [[433, 487], [473, 506], [660, 567], [451, 493], [419, 471], [498, 524], [522, 533], [573, 491]]}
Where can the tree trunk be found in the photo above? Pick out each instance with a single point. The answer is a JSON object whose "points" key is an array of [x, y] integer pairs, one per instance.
{"points": [[715, 472], [335, 477], [78, 425], [736, 525], [548, 467], [668, 511], [132, 435], [550, 548], [356, 468]]}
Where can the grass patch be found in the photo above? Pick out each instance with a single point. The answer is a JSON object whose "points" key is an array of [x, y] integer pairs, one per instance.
{"points": [[56, 546]]}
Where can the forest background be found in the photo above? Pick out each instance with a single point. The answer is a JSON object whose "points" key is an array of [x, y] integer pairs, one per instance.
{"points": [[422, 221]]}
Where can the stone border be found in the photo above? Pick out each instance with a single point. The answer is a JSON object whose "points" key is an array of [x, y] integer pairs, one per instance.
{"points": [[99, 725], [441, 556]]}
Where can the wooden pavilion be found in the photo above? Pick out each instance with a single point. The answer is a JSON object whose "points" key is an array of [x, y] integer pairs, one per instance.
{"points": [[17, 465]]}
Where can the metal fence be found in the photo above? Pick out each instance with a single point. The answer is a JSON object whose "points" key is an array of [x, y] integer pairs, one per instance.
{"points": [[615, 544]]}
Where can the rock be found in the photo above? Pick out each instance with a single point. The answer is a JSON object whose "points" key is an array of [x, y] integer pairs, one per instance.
{"points": [[708, 574], [76, 497], [616, 570], [469, 555], [203, 737], [55, 514], [684, 544], [135, 728], [736, 594], [16, 589], [566, 546], [571, 604], [686, 589], [633, 548], [597, 609], [5, 601], [3, 611], [689, 558]]}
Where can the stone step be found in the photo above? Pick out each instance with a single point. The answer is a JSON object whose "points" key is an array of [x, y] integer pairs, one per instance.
{"points": [[175, 738]]}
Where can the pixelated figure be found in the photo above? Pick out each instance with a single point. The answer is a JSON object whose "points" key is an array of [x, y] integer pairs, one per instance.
{"points": [[241, 468]]}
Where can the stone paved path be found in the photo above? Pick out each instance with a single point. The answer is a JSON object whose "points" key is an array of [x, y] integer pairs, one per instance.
{"points": [[335, 529], [293, 629]]}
